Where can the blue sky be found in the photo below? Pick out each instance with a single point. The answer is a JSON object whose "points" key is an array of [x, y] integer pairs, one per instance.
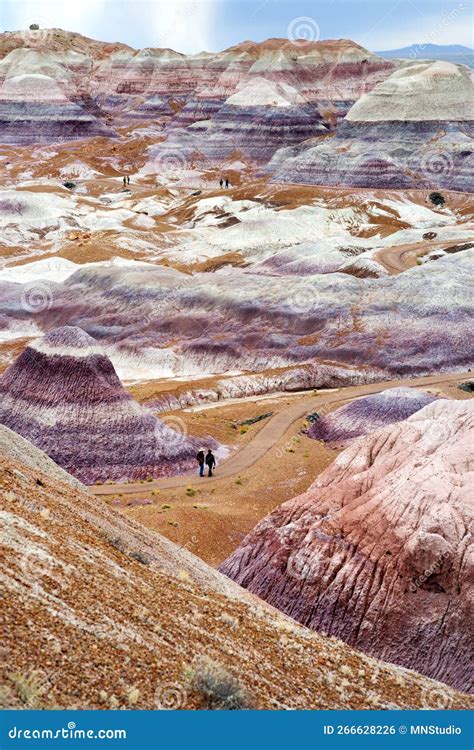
{"points": [[193, 25]]}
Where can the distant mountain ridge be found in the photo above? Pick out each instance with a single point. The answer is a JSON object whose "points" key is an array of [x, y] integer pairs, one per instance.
{"points": [[456, 53]]}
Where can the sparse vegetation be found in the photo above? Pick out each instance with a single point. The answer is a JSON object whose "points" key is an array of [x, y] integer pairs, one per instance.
{"points": [[216, 688], [190, 491], [133, 695], [119, 544], [437, 199], [254, 420], [30, 687], [140, 557], [229, 620]]}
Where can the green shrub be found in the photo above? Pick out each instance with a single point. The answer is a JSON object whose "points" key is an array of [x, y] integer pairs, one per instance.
{"points": [[140, 557], [437, 199]]}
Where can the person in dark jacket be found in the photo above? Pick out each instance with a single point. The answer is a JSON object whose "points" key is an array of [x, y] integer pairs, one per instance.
{"points": [[210, 461], [200, 460], [226, 182], [221, 182]]}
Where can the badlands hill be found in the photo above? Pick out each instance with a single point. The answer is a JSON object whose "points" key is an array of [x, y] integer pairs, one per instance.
{"points": [[63, 394], [272, 287], [110, 615], [159, 319], [368, 414], [56, 85], [327, 112], [379, 551], [413, 129]]}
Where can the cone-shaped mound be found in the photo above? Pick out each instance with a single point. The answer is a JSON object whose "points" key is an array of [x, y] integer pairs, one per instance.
{"points": [[63, 394], [368, 414]]}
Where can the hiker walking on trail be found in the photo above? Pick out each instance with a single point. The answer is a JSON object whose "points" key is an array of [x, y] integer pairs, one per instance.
{"points": [[128, 180], [124, 181], [221, 183], [210, 461], [226, 182], [200, 460]]}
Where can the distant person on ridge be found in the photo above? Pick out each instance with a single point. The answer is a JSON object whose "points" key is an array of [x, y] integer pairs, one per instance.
{"points": [[128, 180], [226, 182], [124, 181], [210, 461], [221, 182], [200, 460]]}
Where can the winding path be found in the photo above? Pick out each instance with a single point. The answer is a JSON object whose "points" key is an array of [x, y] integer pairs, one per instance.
{"points": [[398, 258], [274, 429]]}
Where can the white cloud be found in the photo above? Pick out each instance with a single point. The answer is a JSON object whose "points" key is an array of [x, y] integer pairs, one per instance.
{"points": [[184, 25]]}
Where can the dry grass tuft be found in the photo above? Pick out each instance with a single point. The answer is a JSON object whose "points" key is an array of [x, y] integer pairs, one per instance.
{"points": [[215, 687]]}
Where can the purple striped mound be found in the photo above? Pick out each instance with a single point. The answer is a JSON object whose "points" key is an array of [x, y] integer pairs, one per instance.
{"points": [[368, 414], [63, 394]]}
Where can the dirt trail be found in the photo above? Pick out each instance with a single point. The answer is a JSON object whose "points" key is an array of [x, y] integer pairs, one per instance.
{"points": [[399, 258], [269, 435]]}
